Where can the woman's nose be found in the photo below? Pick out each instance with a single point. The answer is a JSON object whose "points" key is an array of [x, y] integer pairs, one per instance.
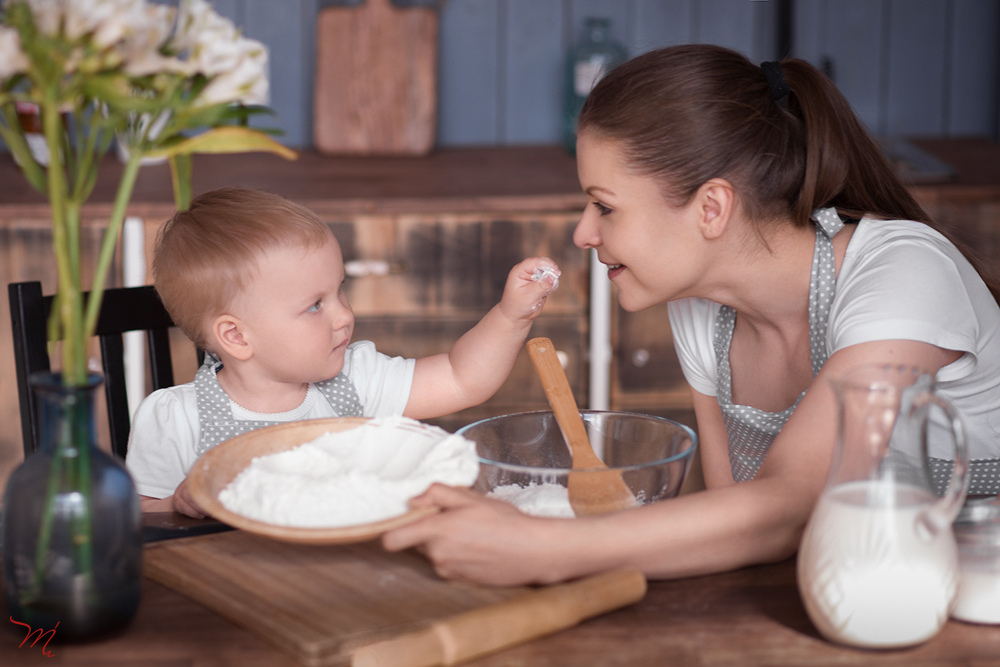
{"points": [[585, 235]]}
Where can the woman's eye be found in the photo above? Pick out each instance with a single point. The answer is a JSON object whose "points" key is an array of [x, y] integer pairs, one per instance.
{"points": [[601, 208], [313, 308]]}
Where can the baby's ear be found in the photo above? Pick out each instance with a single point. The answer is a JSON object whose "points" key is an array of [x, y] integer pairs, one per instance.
{"points": [[228, 335]]}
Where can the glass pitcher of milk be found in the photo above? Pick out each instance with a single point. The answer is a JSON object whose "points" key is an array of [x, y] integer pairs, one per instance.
{"points": [[878, 565]]}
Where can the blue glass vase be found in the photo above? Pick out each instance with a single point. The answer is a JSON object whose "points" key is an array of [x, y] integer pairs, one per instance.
{"points": [[71, 525], [594, 55]]}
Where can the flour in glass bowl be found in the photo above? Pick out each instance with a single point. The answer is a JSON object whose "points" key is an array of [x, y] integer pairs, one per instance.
{"points": [[537, 498], [351, 477]]}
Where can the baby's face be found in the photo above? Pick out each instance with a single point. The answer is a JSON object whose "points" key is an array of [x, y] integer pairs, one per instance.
{"points": [[298, 318]]}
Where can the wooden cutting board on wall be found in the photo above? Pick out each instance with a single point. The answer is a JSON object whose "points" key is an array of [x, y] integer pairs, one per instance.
{"points": [[376, 79]]}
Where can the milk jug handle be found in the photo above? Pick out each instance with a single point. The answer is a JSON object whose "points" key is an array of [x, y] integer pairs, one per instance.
{"points": [[942, 513]]}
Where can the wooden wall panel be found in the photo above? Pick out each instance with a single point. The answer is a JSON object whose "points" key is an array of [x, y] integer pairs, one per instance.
{"points": [[468, 98], [974, 78], [291, 41], [917, 55], [916, 67], [727, 23], [857, 64], [533, 83], [659, 24]]}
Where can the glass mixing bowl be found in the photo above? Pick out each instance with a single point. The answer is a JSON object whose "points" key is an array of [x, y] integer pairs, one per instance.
{"points": [[524, 460]]}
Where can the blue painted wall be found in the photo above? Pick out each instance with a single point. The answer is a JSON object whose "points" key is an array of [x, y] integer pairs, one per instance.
{"points": [[916, 67]]}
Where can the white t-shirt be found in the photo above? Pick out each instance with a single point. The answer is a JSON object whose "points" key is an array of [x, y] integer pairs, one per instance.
{"points": [[900, 280], [165, 431]]}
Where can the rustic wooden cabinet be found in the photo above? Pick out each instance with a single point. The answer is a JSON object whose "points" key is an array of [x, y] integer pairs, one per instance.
{"points": [[448, 227]]}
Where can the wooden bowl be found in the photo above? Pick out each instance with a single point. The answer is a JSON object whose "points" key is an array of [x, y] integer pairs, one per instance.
{"points": [[221, 464]]}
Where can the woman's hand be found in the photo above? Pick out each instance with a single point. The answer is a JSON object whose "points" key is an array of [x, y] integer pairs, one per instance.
{"points": [[479, 539]]}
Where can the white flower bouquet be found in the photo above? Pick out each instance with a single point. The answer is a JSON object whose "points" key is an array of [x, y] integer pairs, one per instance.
{"points": [[144, 73]]}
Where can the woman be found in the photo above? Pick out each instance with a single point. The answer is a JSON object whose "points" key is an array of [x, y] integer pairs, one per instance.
{"points": [[753, 201]]}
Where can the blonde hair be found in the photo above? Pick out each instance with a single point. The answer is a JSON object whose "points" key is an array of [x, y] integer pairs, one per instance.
{"points": [[207, 255]]}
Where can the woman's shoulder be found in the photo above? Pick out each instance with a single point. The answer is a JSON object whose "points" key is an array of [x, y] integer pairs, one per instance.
{"points": [[873, 233], [898, 245]]}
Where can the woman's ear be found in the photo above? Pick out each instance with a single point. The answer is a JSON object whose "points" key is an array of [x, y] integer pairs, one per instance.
{"points": [[715, 200], [228, 333]]}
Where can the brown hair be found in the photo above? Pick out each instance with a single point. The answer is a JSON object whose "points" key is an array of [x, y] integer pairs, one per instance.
{"points": [[686, 114], [205, 256]]}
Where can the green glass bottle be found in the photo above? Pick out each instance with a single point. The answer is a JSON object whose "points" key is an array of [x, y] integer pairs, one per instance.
{"points": [[594, 56]]}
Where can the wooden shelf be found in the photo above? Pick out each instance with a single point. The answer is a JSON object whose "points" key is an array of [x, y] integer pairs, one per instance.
{"points": [[529, 178]]}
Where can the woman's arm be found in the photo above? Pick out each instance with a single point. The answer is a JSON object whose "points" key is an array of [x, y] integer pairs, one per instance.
{"points": [[713, 441], [722, 528]]}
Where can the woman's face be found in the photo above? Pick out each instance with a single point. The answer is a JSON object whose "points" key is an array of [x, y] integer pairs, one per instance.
{"points": [[651, 248]]}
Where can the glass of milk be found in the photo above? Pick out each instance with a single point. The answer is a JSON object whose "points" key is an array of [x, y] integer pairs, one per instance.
{"points": [[878, 564], [977, 531]]}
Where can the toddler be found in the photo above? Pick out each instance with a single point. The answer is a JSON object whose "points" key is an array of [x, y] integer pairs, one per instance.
{"points": [[257, 281]]}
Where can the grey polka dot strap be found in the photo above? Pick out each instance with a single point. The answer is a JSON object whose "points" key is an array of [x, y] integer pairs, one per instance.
{"points": [[984, 476], [751, 431], [822, 284], [215, 416]]}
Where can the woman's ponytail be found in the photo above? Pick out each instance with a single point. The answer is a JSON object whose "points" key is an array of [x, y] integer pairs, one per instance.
{"points": [[844, 166]]}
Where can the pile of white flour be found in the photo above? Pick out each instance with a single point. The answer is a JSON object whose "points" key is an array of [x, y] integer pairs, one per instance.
{"points": [[538, 499], [351, 477]]}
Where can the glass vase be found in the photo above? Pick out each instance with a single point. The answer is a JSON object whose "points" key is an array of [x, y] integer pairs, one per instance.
{"points": [[594, 55], [72, 525]]}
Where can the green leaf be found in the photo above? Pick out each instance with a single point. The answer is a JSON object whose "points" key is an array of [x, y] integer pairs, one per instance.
{"points": [[117, 92], [10, 132], [180, 174], [226, 140]]}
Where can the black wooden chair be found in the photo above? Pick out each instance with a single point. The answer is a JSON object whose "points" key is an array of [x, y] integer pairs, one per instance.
{"points": [[123, 309]]}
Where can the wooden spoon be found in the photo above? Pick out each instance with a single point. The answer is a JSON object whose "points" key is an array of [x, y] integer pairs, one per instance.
{"points": [[594, 491]]}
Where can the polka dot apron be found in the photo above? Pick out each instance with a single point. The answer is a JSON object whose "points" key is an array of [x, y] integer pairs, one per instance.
{"points": [[215, 416], [751, 431]]}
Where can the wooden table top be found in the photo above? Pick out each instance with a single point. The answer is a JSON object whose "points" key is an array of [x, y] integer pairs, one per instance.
{"points": [[750, 617]]}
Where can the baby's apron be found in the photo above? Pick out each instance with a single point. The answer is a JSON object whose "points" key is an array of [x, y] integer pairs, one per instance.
{"points": [[751, 431], [215, 416]]}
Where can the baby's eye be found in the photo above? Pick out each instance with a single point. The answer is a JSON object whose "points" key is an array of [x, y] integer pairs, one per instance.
{"points": [[313, 308], [601, 208]]}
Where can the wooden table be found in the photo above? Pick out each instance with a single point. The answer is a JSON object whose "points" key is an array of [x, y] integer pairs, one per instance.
{"points": [[749, 617]]}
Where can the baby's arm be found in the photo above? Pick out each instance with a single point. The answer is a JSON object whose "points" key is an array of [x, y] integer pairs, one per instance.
{"points": [[481, 360], [162, 449]]}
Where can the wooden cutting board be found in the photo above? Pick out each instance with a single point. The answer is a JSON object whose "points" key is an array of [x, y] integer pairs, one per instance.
{"points": [[376, 79], [358, 604]]}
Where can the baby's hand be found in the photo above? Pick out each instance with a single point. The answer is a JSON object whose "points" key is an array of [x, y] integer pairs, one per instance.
{"points": [[528, 285], [183, 503]]}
